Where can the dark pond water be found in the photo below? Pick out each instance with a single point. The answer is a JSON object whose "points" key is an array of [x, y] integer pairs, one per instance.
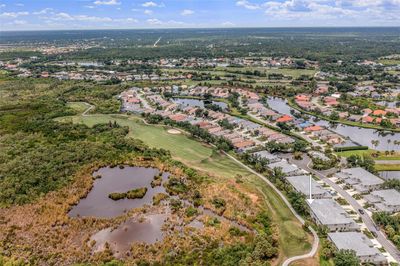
{"points": [[362, 136], [390, 174], [198, 103], [146, 229], [98, 204]]}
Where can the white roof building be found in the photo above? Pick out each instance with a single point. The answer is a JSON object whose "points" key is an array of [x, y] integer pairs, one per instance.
{"points": [[362, 246], [329, 213], [301, 184], [360, 179], [387, 200]]}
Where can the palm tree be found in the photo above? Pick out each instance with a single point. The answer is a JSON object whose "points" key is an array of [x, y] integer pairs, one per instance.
{"points": [[375, 143], [388, 142]]}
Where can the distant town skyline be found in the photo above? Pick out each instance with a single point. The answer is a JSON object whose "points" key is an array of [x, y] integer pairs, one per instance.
{"points": [[125, 14]]}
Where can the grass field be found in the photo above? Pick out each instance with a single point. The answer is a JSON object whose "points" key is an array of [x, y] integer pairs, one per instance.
{"points": [[295, 73], [79, 107], [293, 240], [387, 62], [382, 156], [387, 167]]}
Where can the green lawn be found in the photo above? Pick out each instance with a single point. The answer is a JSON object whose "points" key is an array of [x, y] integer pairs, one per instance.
{"points": [[382, 156], [387, 167], [389, 61], [293, 239]]}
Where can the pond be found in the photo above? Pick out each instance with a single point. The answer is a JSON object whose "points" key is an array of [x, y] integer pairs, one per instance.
{"points": [[98, 204], [198, 103], [147, 229], [390, 175], [362, 136]]}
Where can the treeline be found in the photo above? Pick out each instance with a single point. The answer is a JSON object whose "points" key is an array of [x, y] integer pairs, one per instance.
{"points": [[220, 142], [39, 155], [390, 224]]}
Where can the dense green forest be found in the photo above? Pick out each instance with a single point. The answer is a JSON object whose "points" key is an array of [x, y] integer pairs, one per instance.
{"points": [[38, 154], [322, 44]]}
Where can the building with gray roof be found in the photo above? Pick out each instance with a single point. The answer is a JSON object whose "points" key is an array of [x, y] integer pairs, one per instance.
{"points": [[387, 200], [301, 184], [360, 179], [329, 213], [286, 168], [266, 155], [362, 246]]}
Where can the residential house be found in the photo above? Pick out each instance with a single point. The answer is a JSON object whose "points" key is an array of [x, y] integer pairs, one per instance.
{"points": [[329, 213], [301, 184], [360, 179], [360, 244]]}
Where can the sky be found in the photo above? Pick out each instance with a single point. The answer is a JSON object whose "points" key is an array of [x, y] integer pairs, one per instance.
{"points": [[136, 14]]}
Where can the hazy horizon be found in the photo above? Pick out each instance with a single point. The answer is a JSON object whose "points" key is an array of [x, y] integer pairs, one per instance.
{"points": [[23, 15]]}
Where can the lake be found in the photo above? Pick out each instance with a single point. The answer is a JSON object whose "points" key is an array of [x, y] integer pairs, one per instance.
{"points": [[98, 204], [362, 136], [147, 229]]}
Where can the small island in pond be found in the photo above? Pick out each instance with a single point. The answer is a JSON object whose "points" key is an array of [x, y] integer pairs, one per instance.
{"points": [[131, 194]]}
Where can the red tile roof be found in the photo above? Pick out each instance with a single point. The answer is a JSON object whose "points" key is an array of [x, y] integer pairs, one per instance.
{"points": [[285, 118], [313, 128]]}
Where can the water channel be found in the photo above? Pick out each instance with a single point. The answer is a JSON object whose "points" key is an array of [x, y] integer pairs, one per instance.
{"points": [[362, 136]]}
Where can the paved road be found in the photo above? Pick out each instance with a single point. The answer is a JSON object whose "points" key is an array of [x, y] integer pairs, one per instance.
{"points": [[146, 105], [90, 107], [389, 247], [316, 238]]}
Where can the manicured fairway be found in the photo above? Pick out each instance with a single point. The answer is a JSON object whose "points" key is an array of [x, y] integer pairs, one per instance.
{"points": [[293, 239], [382, 156]]}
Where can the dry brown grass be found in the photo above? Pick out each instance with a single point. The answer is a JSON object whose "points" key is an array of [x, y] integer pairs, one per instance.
{"points": [[44, 230]]}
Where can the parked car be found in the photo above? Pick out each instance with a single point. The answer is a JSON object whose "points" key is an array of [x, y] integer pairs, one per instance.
{"points": [[361, 211]]}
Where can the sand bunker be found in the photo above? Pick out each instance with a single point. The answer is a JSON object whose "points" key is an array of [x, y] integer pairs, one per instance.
{"points": [[173, 131]]}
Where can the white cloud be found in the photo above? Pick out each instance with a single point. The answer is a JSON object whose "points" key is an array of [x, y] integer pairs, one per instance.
{"points": [[187, 12], [152, 4], [2, 5], [169, 23], [126, 20], [107, 3], [19, 4], [246, 4], [13, 14], [227, 24], [154, 21], [43, 11], [148, 12], [19, 22], [62, 16]]}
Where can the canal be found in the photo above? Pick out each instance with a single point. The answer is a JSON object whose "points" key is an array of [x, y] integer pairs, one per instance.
{"points": [[362, 136]]}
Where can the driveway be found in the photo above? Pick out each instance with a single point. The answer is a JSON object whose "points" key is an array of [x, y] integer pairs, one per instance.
{"points": [[369, 223]]}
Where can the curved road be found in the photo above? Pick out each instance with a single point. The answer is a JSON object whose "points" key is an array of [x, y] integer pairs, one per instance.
{"points": [[369, 223], [90, 107], [289, 260], [316, 238]]}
